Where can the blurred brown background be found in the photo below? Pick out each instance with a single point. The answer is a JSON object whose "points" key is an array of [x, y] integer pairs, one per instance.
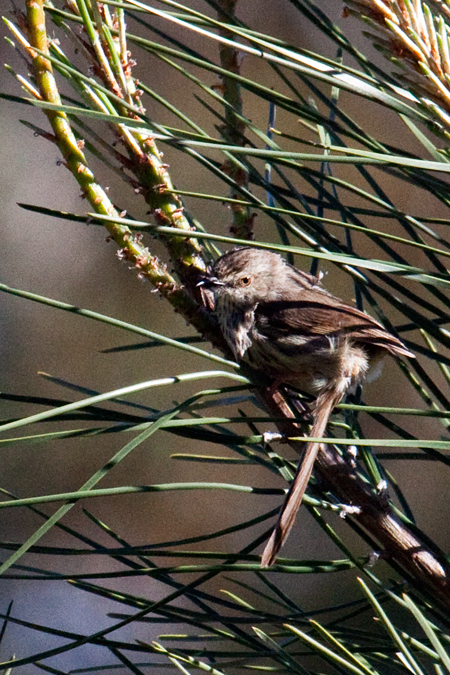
{"points": [[73, 263]]}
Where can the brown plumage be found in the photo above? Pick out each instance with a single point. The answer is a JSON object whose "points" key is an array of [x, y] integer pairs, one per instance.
{"points": [[282, 322]]}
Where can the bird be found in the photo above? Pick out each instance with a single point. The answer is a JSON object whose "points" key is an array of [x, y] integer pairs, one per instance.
{"points": [[282, 322]]}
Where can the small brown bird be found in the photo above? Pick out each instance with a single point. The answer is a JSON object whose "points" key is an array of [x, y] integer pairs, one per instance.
{"points": [[281, 321]]}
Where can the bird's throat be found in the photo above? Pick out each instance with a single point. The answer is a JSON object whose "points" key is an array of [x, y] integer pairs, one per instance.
{"points": [[236, 324]]}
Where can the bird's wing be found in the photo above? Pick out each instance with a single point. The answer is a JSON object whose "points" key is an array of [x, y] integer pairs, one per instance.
{"points": [[318, 314]]}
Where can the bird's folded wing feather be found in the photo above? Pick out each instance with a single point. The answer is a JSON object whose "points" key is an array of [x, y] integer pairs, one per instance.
{"points": [[318, 314]]}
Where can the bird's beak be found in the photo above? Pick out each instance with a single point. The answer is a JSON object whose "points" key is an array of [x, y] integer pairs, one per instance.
{"points": [[209, 281], [207, 286]]}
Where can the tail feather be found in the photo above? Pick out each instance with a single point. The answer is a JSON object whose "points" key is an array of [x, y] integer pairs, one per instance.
{"points": [[293, 500]]}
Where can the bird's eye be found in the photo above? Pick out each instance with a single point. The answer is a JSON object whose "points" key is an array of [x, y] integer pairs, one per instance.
{"points": [[244, 281]]}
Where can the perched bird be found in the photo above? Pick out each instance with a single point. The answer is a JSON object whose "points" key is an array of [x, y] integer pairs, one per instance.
{"points": [[282, 322]]}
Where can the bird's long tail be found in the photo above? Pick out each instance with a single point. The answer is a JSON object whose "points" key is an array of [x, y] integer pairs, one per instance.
{"points": [[286, 518]]}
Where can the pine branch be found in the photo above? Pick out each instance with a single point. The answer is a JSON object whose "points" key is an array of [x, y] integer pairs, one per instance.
{"points": [[145, 159], [416, 40]]}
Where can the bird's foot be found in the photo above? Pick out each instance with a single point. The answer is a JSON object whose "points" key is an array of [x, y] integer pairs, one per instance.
{"points": [[271, 436]]}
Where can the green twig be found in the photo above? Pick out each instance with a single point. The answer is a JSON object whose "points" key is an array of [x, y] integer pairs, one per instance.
{"points": [[130, 244], [234, 128]]}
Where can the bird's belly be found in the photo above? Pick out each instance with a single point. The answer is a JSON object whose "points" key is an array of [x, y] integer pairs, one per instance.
{"points": [[312, 368]]}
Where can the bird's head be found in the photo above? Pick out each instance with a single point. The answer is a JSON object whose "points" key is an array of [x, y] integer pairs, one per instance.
{"points": [[247, 276]]}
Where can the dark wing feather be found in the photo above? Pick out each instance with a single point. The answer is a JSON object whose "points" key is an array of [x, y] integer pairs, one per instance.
{"points": [[319, 314]]}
